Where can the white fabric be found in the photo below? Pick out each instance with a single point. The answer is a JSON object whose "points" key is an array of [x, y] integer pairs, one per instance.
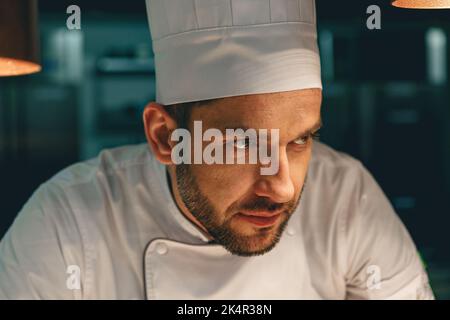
{"points": [[114, 218], [207, 49]]}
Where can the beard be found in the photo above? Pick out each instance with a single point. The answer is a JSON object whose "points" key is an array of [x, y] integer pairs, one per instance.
{"points": [[263, 241]]}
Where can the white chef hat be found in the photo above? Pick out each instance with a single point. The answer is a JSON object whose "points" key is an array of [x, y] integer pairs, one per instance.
{"points": [[207, 49]]}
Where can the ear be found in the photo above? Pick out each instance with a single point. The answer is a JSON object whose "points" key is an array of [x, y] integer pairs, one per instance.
{"points": [[158, 126]]}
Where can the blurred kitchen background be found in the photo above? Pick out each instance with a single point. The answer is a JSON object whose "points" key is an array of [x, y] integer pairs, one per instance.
{"points": [[386, 102]]}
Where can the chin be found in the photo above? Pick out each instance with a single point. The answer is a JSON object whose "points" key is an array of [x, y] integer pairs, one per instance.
{"points": [[247, 240], [255, 245]]}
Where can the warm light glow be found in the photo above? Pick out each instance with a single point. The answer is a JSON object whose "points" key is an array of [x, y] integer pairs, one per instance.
{"points": [[14, 67], [422, 4]]}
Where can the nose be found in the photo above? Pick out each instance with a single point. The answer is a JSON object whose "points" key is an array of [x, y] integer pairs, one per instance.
{"points": [[278, 187]]}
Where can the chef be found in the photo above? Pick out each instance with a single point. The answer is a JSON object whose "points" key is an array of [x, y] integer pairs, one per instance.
{"points": [[130, 224]]}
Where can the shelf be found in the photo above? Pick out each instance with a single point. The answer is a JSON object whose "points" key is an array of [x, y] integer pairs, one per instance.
{"points": [[125, 66]]}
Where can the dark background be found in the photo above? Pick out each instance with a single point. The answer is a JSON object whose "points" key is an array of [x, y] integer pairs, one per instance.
{"points": [[386, 102]]}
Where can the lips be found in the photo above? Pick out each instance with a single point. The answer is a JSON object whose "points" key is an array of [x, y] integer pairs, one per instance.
{"points": [[262, 219], [263, 214]]}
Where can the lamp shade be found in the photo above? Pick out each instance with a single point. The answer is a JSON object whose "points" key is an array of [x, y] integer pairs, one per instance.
{"points": [[19, 45], [422, 4]]}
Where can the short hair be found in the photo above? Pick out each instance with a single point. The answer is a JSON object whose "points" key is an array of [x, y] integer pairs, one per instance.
{"points": [[181, 112]]}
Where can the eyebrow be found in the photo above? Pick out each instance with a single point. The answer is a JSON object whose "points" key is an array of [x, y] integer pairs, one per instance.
{"points": [[313, 129]]}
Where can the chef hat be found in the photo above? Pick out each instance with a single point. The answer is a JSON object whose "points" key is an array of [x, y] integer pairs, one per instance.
{"points": [[207, 49]]}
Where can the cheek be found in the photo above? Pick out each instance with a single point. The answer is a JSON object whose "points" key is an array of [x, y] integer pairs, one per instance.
{"points": [[223, 184], [298, 167]]}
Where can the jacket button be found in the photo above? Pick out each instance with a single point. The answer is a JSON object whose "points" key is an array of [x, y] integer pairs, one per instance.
{"points": [[161, 248], [291, 232]]}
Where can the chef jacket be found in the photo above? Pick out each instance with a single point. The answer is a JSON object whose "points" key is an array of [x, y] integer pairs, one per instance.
{"points": [[109, 228]]}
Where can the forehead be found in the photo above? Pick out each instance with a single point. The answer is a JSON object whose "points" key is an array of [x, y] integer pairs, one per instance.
{"points": [[269, 110]]}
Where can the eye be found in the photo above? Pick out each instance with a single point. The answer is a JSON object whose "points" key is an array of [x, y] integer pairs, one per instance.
{"points": [[302, 141], [241, 143], [305, 139]]}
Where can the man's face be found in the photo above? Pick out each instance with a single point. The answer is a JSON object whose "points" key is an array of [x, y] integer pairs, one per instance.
{"points": [[228, 200]]}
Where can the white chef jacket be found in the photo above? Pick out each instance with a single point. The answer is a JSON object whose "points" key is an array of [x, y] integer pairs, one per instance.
{"points": [[108, 228]]}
